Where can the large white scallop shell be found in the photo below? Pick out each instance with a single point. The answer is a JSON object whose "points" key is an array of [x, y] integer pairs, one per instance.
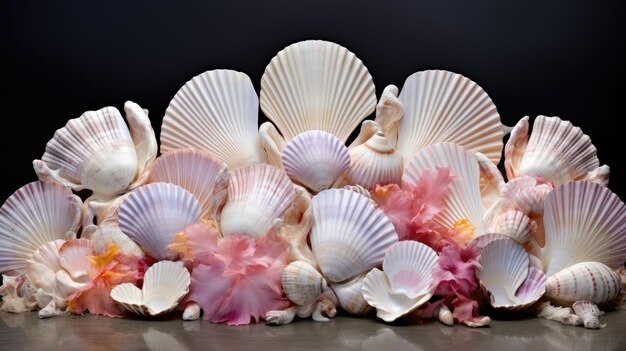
{"points": [[592, 281], [583, 221], [316, 159], [216, 111], [153, 214], [257, 196], [165, 284], [349, 235], [317, 85], [375, 162], [441, 106], [32, 216], [302, 283], [556, 151]]}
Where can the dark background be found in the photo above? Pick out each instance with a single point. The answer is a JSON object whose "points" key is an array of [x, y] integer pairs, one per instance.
{"points": [[562, 58]]}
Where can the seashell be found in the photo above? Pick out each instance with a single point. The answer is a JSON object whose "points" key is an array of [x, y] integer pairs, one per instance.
{"points": [[273, 143], [592, 281], [302, 283], [406, 282], [464, 200], [350, 296], [589, 312], [505, 275], [165, 284], [218, 112], [375, 162], [257, 196], [368, 129], [349, 235], [111, 232], [197, 172], [317, 85], [491, 180], [388, 113], [48, 255], [441, 106], [154, 213], [515, 225], [483, 240], [73, 258], [583, 222], [32, 216], [315, 159], [556, 151]]}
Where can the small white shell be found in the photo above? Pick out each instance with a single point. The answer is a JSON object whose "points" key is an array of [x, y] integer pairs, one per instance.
{"points": [[165, 284], [302, 283], [515, 225], [350, 296], [389, 112], [154, 213], [592, 281], [349, 234], [73, 258], [375, 162], [589, 312], [316, 159], [257, 196]]}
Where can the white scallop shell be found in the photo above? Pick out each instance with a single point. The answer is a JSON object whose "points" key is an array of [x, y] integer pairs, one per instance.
{"points": [[388, 113], [406, 282], [375, 162], [589, 312], [349, 234], [35, 214], [464, 200], [153, 214], [48, 255], [110, 232], [317, 85], [165, 284], [216, 111], [315, 159], [350, 296], [524, 194], [441, 106], [257, 196], [73, 258], [516, 225], [556, 151], [592, 281], [302, 283], [197, 172], [583, 222]]}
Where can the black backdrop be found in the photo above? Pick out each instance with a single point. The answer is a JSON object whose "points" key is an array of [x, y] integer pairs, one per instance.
{"points": [[562, 58]]}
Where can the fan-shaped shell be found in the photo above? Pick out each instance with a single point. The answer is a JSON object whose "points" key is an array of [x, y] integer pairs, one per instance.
{"points": [[257, 196], [589, 312], [315, 159], [35, 214], [592, 281], [154, 213], [302, 283], [216, 111], [350, 296], [556, 151], [441, 106], [317, 85], [165, 284], [349, 235], [375, 162], [515, 225], [583, 222], [73, 258]]}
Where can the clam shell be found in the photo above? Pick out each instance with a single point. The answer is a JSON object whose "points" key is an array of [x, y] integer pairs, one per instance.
{"points": [[375, 162], [317, 85], [389, 112], [216, 111], [257, 196], [515, 225], [165, 284], [592, 281], [154, 213], [583, 222], [589, 312], [441, 106], [556, 151], [302, 283], [350, 296], [32, 216], [73, 258], [349, 235], [315, 159]]}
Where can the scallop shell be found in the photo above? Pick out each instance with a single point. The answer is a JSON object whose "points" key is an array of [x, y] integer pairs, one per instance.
{"points": [[165, 284], [317, 85], [524, 194], [110, 232], [257, 196], [302, 283], [48, 255], [583, 222], [197, 172], [350, 296], [406, 282], [506, 276], [388, 113], [589, 312], [375, 162], [515, 225], [556, 151], [349, 235], [315, 159], [218, 112], [73, 258], [154, 213], [464, 200], [592, 281], [35, 214], [441, 106]]}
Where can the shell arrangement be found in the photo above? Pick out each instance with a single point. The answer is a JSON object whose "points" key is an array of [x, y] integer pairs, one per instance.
{"points": [[238, 223]]}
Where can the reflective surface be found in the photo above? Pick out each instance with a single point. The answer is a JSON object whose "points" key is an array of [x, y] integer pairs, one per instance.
{"points": [[26, 332]]}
